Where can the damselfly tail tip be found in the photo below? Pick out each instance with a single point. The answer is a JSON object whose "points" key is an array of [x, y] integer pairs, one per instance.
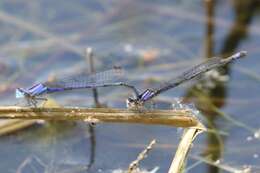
{"points": [[240, 54], [243, 53], [19, 93], [235, 56]]}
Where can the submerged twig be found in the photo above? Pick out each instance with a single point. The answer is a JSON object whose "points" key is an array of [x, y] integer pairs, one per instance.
{"points": [[28, 162], [134, 165], [223, 166], [8, 126], [177, 118]]}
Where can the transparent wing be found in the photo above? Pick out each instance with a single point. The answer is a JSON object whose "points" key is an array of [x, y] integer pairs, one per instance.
{"points": [[197, 70], [85, 81]]}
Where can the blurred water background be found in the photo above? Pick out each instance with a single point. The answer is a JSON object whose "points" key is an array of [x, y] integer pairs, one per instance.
{"points": [[154, 41]]}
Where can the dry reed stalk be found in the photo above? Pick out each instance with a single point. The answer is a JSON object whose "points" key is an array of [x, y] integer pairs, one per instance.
{"points": [[177, 118], [185, 144]]}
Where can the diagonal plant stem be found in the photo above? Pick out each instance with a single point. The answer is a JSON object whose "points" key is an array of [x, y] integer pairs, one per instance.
{"points": [[5, 17], [185, 145]]}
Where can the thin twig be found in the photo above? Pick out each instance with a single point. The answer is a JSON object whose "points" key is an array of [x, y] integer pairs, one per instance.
{"points": [[89, 58], [135, 164]]}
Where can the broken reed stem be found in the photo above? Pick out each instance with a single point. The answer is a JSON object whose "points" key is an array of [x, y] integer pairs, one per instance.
{"points": [[185, 144], [177, 118], [135, 164]]}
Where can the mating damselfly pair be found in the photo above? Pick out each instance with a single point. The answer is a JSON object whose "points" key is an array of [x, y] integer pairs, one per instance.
{"points": [[111, 78]]}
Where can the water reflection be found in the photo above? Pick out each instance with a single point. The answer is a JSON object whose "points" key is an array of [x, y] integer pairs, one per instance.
{"points": [[212, 99]]}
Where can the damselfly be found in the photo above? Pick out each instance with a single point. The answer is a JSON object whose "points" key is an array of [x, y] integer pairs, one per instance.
{"points": [[102, 79], [197, 70]]}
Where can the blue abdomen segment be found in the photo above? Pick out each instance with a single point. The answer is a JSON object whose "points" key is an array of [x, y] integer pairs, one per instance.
{"points": [[37, 89], [146, 95], [51, 90]]}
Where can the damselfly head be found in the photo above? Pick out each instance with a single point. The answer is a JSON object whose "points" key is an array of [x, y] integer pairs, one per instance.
{"points": [[134, 103], [119, 70], [117, 67]]}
